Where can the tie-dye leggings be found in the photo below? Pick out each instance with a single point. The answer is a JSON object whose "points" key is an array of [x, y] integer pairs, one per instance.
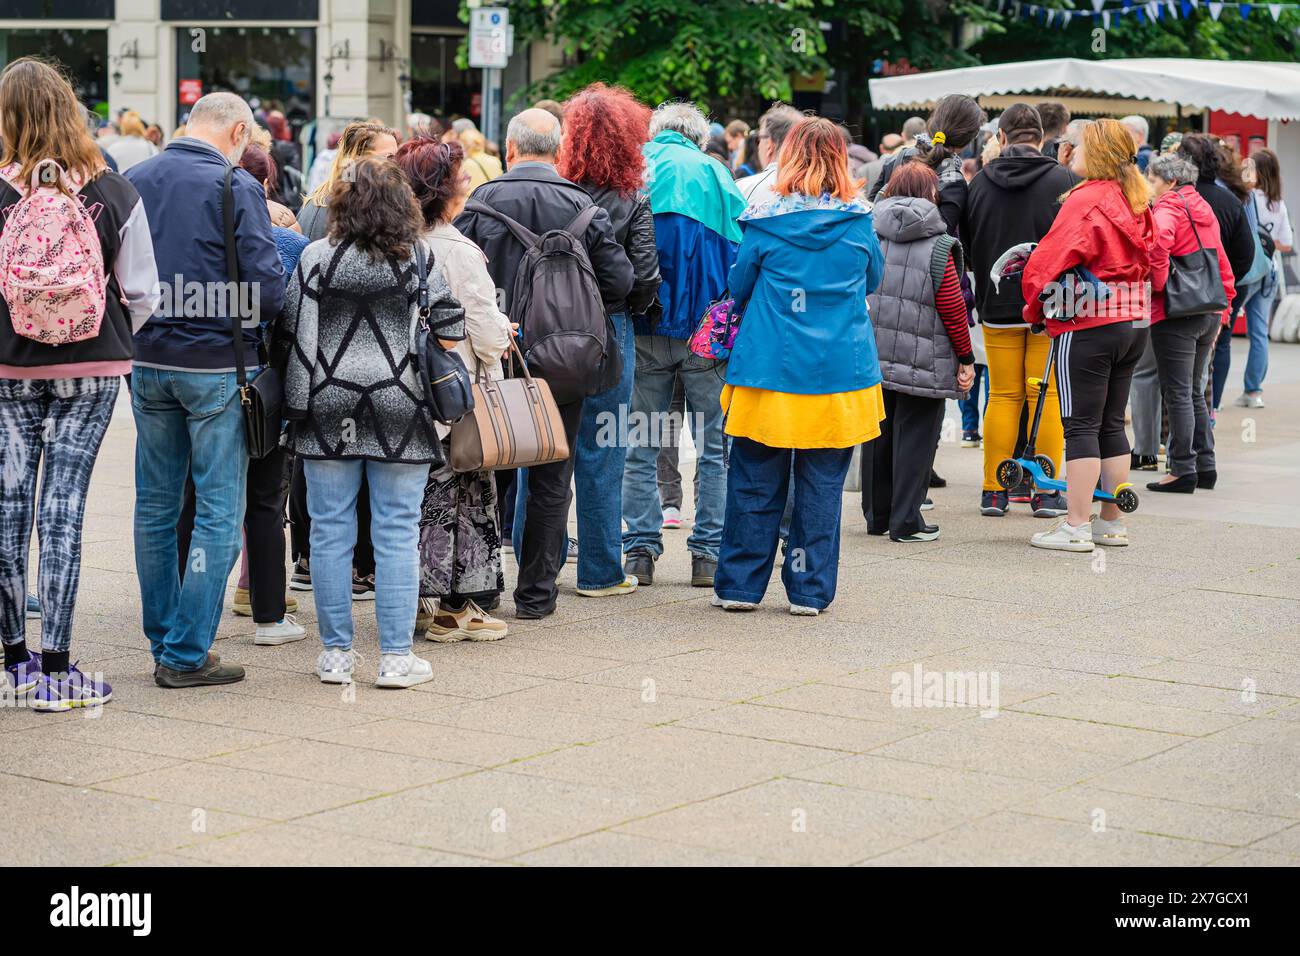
{"points": [[63, 422]]}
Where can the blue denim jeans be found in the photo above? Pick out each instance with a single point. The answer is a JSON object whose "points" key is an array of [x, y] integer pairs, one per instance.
{"points": [[658, 360], [396, 492], [757, 484], [598, 460], [1221, 363], [186, 422], [1259, 309], [598, 473], [972, 406]]}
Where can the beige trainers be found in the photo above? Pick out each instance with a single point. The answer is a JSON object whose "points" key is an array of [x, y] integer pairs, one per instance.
{"points": [[1063, 536], [470, 623], [1109, 534], [626, 586], [243, 603]]}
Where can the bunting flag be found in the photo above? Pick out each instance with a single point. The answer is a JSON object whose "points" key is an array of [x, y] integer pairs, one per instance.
{"points": [[1146, 12]]}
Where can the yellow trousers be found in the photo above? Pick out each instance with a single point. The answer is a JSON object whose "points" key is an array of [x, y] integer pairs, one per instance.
{"points": [[1015, 356]]}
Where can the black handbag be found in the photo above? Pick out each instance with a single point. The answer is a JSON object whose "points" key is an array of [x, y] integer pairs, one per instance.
{"points": [[1195, 286], [1265, 237], [446, 381], [262, 399]]}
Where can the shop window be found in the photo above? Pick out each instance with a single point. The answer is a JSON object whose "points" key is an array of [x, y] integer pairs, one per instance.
{"points": [[82, 56], [271, 67]]}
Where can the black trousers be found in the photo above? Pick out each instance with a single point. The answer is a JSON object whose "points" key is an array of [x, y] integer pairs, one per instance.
{"points": [[550, 490], [268, 486], [1094, 372], [896, 466], [363, 555]]}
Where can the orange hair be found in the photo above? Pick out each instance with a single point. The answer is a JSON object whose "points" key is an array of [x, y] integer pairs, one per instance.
{"points": [[814, 161], [1109, 153]]}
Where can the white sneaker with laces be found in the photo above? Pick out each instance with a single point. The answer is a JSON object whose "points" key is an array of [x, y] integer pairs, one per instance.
{"points": [[1109, 534], [672, 519], [403, 670], [1250, 400], [802, 610], [1062, 536], [733, 605], [284, 631], [335, 666]]}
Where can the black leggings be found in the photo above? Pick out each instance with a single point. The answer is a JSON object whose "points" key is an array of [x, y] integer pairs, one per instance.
{"points": [[1094, 368]]}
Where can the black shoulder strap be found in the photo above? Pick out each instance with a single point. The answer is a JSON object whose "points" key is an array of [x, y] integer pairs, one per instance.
{"points": [[422, 273], [232, 274], [578, 227], [523, 234], [1192, 222]]}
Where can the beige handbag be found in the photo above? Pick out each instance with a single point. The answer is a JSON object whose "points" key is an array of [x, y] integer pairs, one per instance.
{"points": [[515, 424]]}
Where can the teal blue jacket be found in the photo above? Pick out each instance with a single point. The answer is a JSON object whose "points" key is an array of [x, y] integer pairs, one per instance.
{"points": [[801, 280]]}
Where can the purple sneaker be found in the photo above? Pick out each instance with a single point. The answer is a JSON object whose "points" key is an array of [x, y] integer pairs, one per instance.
{"points": [[23, 677], [74, 689]]}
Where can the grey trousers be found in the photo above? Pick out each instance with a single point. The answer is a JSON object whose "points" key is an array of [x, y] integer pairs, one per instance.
{"points": [[1144, 400], [1182, 348]]}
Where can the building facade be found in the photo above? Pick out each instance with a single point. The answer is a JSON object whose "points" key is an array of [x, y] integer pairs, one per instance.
{"points": [[323, 60]]}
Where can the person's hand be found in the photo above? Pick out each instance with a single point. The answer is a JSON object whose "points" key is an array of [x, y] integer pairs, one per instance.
{"points": [[965, 377]]}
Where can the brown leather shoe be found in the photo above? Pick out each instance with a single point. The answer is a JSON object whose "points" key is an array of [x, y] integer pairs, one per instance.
{"points": [[212, 672]]}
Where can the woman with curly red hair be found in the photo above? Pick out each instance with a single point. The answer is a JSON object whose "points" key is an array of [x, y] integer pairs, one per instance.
{"points": [[604, 130]]}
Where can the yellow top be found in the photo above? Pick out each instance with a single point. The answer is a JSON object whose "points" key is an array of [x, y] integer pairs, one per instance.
{"points": [[787, 420]]}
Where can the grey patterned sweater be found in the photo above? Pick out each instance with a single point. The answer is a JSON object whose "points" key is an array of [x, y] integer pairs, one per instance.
{"points": [[351, 388]]}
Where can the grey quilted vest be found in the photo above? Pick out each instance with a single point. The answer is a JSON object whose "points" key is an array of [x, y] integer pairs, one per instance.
{"points": [[916, 356]]}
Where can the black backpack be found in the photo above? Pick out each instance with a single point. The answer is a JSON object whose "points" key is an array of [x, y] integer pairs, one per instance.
{"points": [[569, 340]]}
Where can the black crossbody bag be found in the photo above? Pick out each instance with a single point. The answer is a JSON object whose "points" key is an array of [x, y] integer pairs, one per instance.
{"points": [[262, 399], [447, 386], [1195, 286]]}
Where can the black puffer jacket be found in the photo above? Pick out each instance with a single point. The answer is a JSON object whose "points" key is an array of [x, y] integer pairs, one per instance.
{"points": [[634, 228], [1234, 227]]}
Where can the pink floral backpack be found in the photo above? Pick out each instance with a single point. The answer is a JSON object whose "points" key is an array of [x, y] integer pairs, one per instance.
{"points": [[51, 262]]}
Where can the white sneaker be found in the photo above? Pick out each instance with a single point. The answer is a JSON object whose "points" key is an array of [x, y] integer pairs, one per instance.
{"points": [[1110, 534], [672, 519], [335, 666], [1062, 536], [733, 605], [286, 631], [626, 586], [927, 505], [403, 670], [1250, 400], [802, 610]]}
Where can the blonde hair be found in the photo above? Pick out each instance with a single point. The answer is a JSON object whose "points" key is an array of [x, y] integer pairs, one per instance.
{"points": [[1110, 153], [355, 143], [473, 141], [130, 124]]}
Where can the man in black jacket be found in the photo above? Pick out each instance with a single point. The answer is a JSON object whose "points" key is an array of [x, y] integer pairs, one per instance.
{"points": [[537, 197], [1013, 199]]}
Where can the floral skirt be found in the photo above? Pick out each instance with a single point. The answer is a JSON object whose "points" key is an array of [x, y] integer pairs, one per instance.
{"points": [[460, 541]]}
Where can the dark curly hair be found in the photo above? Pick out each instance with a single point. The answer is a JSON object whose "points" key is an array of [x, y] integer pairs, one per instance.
{"points": [[1203, 150], [604, 130], [433, 170], [372, 206]]}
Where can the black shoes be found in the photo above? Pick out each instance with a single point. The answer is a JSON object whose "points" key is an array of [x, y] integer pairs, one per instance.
{"points": [[702, 571], [641, 565], [1206, 479], [1138, 462], [212, 672], [936, 481], [928, 532], [1183, 486]]}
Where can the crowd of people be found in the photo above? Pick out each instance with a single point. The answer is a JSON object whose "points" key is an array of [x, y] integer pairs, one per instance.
{"points": [[859, 290]]}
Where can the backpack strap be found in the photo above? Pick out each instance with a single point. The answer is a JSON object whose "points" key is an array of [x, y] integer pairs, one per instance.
{"points": [[578, 227], [525, 235]]}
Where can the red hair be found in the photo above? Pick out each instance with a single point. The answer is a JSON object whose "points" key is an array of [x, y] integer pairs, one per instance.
{"points": [[814, 161], [433, 170], [604, 130], [913, 178]]}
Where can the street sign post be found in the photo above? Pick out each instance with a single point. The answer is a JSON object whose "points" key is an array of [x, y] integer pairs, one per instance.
{"points": [[491, 41]]}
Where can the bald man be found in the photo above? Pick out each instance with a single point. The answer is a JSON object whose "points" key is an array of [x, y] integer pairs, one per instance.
{"points": [[538, 198]]}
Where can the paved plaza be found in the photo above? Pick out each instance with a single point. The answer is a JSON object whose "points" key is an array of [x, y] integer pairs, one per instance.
{"points": [[1133, 707]]}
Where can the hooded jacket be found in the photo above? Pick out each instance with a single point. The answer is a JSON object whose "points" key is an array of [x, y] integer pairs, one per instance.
{"points": [[1013, 199], [1095, 228], [801, 279], [695, 203]]}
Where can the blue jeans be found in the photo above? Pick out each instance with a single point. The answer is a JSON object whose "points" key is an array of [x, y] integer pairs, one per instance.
{"points": [[757, 485], [186, 422], [396, 492], [1259, 309], [658, 360], [970, 407], [598, 473], [1221, 363]]}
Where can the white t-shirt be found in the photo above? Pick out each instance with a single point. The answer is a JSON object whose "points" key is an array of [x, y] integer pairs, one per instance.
{"points": [[759, 188], [1273, 217]]}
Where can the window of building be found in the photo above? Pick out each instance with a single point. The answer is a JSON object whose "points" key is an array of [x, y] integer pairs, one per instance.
{"points": [[82, 56], [271, 67]]}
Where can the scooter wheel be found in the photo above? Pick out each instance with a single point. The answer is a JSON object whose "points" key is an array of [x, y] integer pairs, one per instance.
{"points": [[1127, 501], [1010, 473], [1045, 463]]}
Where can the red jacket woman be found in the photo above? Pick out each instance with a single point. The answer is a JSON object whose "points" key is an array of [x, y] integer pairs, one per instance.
{"points": [[1175, 212], [1105, 226]]}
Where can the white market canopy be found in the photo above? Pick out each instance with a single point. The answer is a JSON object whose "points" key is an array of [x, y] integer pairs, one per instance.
{"points": [[1251, 87]]}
